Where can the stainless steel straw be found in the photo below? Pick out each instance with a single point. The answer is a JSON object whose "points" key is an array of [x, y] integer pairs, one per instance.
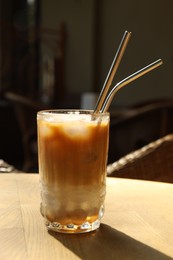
{"points": [[126, 81], [112, 71]]}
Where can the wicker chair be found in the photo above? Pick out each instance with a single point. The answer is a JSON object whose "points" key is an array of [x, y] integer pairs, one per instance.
{"points": [[25, 110], [152, 162], [7, 168], [133, 127]]}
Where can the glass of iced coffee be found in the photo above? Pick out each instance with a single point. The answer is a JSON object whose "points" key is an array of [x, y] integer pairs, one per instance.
{"points": [[73, 149]]}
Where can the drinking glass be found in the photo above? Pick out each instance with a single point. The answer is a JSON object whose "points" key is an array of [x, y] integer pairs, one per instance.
{"points": [[73, 149]]}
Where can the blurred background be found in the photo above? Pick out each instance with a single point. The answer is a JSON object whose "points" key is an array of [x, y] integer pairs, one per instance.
{"points": [[54, 52]]}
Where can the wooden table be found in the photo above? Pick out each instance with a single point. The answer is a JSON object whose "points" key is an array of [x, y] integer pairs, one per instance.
{"points": [[138, 223]]}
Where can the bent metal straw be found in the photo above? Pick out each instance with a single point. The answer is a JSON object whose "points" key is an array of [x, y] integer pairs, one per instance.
{"points": [[126, 81]]}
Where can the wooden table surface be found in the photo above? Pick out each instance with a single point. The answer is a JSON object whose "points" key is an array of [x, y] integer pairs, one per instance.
{"points": [[138, 223]]}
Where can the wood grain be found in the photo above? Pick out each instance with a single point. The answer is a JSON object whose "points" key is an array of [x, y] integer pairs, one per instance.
{"points": [[137, 224]]}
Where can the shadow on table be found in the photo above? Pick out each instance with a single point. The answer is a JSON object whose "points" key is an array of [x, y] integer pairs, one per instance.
{"points": [[108, 243]]}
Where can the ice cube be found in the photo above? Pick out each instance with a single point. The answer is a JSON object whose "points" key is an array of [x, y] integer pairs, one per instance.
{"points": [[45, 130], [74, 129]]}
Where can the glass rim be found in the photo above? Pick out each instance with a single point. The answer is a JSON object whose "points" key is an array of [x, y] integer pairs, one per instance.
{"points": [[72, 112]]}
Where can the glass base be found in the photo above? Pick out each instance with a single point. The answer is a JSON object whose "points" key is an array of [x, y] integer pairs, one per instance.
{"points": [[71, 228]]}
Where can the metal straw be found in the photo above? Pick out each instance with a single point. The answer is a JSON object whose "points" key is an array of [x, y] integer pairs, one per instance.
{"points": [[127, 80], [112, 71]]}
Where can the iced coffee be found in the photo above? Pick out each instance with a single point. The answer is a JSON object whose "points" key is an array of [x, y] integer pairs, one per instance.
{"points": [[73, 148]]}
